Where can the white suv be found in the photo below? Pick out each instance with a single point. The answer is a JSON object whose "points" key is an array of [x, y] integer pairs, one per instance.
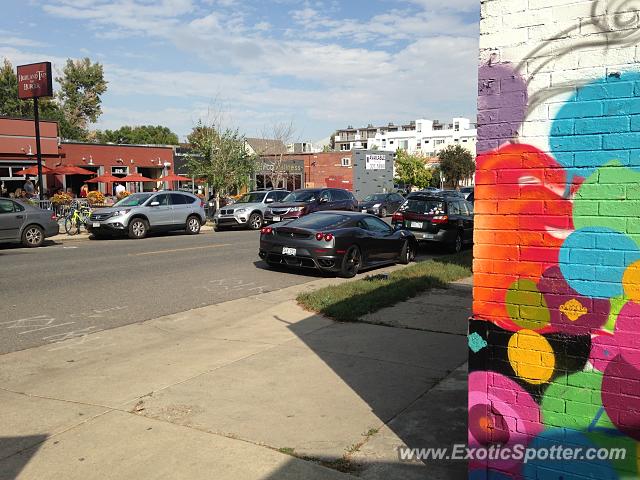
{"points": [[249, 210]]}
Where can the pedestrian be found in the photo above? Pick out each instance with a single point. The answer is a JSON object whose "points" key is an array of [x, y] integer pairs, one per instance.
{"points": [[119, 189], [29, 188], [84, 190], [3, 190]]}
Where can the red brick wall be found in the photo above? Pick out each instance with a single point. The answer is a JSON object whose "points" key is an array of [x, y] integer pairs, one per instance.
{"points": [[325, 170]]}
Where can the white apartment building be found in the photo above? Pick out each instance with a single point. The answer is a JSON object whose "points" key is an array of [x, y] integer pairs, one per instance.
{"points": [[422, 136]]}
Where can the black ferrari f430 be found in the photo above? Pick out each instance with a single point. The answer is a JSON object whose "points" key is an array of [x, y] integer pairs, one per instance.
{"points": [[336, 241]]}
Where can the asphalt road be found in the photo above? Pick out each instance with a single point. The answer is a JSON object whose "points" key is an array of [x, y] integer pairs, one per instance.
{"points": [[66, 290]]}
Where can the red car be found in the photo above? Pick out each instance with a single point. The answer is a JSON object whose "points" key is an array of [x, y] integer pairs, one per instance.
{"points": [[308, 200]]}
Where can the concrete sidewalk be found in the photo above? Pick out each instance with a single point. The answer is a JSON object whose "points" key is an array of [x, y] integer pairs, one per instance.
{"points": [[254, 388]]}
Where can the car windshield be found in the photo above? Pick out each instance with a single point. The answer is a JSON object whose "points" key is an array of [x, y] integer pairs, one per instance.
{"points": [[252, 198], [376, 197], [321, 221], [424, 206], [133, 200], [301, 196]]}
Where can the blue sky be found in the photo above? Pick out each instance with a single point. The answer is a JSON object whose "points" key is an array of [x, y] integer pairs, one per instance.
{"points": [[319, 65]]}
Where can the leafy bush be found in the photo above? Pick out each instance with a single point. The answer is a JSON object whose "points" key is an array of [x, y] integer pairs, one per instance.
{"points": [[61, 198], [96, 197]]}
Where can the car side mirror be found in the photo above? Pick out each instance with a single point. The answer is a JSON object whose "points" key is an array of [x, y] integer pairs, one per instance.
{"points": [[324, 200], [154, 204]]}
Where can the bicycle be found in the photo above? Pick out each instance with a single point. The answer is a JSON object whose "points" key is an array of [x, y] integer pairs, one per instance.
{"points": [[76, 218]]}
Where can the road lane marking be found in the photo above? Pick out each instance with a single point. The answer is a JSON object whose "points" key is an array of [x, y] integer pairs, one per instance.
{"points": [[179, 249]]}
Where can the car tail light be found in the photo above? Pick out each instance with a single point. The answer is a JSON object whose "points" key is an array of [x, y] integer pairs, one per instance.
{"points": [[201, 203], [440, 219], [266, 230], [328, 237], [397, 217], [319, 236], [54, 216]]}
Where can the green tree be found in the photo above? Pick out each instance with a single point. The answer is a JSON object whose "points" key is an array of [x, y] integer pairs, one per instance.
{"points": [[81, 85], [456, 163], [219, 155], [411, 170], [139, 135]]}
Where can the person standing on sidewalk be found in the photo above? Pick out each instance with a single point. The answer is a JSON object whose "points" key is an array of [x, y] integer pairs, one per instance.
{"points": [[28, 188]]}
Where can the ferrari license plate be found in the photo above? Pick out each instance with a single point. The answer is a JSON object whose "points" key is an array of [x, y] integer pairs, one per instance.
{"points": [[416, 224], [276, 219], [95, 225], [288, 251]]}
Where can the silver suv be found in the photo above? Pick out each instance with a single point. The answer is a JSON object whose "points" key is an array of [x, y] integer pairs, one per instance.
{"points": [[140, 213], [249, 210]]}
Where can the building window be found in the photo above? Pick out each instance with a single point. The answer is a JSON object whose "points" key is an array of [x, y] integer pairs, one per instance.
{"points": [[464, 140], [403, 144], [346, 162], [438, 142], [390, 142], [456, 127], [345, 146], [418, 146]]}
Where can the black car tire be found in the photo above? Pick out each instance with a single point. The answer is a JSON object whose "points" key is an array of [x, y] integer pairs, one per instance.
{"points": [[351, 262], [255, 221], [408, 253], [33, 236], [383, 212], [138, 228], [193, 225], [456, 246]]}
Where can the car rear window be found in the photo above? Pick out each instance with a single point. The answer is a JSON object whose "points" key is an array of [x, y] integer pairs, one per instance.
{"points": [[321, 221], [425, 206]]}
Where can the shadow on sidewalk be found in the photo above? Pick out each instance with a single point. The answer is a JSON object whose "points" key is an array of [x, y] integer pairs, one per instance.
{"points": [[13, 464]]}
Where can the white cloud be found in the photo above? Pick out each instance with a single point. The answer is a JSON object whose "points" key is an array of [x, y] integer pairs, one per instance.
{"points": [[416, 60]]}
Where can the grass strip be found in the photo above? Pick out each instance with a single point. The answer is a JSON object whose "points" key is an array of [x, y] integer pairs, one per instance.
{"points": [[351, 300]]}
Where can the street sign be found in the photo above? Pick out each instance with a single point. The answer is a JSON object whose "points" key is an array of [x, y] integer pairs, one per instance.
{"points": [[35, 80]]}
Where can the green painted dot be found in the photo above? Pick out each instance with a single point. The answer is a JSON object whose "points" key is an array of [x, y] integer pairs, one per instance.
{"points": [[526, 306], [609, 198], [574, 402]]}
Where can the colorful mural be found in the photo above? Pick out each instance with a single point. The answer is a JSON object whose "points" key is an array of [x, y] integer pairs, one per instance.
{"points": [[554, 343]]}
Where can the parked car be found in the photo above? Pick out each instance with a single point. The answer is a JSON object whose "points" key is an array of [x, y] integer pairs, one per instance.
{"points": [[249, 210], [466, 191], [140, 213], [336, 241], [22, 222], [381, 204], [437, 218], [308, 200]]}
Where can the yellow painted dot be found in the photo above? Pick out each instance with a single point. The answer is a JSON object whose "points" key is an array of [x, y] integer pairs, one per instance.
{"points": [[531, 356], [631, 282]]}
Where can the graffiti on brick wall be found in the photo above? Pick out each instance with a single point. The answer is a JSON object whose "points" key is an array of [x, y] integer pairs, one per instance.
{"points": [[554, 345]]}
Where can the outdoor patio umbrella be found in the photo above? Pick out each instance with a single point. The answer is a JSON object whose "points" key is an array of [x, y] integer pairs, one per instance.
{"points": [[135, 178], [71, 170], [34, 171], [106, 178], [174, 177]]}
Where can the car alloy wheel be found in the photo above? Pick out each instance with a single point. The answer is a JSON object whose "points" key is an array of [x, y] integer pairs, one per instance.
{"points": [[193, 225], [33, 236], [351, 262], [255, 221], [138, 228], [458, 244]]}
